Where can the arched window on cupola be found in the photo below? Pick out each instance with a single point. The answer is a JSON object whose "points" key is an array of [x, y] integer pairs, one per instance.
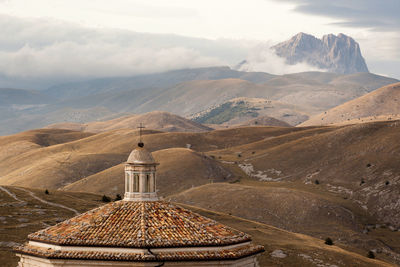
{"points": [[136, 182], [147, 184], [153, 188], [127, 181]]}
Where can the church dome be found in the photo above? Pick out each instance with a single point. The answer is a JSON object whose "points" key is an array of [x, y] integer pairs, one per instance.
{"points": [[140, 155]]}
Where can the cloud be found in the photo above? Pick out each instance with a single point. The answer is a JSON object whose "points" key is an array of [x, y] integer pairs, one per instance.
{"points": [[70, 59], [48, 48], [377, 15], [262, 58], [52, 50]]}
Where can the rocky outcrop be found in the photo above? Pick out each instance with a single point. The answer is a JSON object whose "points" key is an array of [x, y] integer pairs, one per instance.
{"points": [[339, 54]]}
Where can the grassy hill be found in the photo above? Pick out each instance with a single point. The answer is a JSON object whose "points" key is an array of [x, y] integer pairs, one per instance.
{"points": [[356, 161], [244, 111], [24, 211], [59, 165], [179, 169], [379, 105], [297, 208]]}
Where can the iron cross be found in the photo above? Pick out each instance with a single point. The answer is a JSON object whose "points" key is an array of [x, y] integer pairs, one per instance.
{"points": [[140, 127]]}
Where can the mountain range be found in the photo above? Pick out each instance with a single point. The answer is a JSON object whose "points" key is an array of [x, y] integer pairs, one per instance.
{"points": [[185, 93]]}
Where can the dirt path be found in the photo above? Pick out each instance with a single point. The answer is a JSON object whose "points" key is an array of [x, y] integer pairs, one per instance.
{"points": [[11, 194], [49, 203]]}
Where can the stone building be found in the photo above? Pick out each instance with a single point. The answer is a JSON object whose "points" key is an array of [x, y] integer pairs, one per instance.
{"points": [[140, 230]]}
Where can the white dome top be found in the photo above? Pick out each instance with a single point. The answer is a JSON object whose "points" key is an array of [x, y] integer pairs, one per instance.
{"points": [[140, 156]]}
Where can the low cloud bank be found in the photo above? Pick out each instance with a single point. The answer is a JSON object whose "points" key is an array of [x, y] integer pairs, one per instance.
{"points": [[262, 58], [53, 51]]}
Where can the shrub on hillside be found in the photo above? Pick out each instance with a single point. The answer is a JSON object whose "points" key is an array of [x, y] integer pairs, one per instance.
{"points": [[328, 241], [371, 255], [118, 197], [105, 198]]}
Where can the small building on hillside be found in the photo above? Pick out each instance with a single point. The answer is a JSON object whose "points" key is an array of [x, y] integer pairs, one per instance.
{"points": [[139, 230]]}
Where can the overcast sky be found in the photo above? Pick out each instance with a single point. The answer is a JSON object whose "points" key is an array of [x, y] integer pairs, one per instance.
{"points": [[59, 40]]}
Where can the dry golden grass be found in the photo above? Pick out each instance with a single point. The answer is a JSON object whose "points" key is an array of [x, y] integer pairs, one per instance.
{"points": [[355, 161], [297, 208], [58, 165], [381, 104], [296, 246], [179, 169], [20, 219]]}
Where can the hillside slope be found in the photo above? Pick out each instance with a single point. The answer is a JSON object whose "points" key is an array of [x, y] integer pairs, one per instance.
{"points": [[264, 121], [179, 169], [358, 162], [321, 214], [382, 104], [59, 165], [247, 110]]}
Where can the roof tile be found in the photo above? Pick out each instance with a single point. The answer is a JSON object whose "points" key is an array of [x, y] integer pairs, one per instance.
{"points": [[141, 225]]}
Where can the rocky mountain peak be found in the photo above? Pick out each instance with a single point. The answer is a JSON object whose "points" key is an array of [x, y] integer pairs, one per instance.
{"points": [[335, 53], [303, 41]]}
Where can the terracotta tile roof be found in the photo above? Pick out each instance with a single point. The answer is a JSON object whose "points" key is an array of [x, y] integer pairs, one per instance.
{"points": [[152, 224], [224, 254]]}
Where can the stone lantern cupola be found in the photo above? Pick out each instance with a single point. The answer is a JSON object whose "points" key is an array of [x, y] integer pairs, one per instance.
{"points": [[140, 176]]}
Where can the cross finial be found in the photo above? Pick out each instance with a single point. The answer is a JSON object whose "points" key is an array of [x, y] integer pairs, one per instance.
{"points": [[140, 127]]}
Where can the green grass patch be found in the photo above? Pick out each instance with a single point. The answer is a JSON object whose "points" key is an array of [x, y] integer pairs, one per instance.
{"points": [[226, 112]]}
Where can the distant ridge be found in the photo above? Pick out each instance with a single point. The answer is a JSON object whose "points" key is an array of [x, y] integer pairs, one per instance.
{"points": [[155, 80], [204, 89], [339, 54], [13, 96], [156, 120]]}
